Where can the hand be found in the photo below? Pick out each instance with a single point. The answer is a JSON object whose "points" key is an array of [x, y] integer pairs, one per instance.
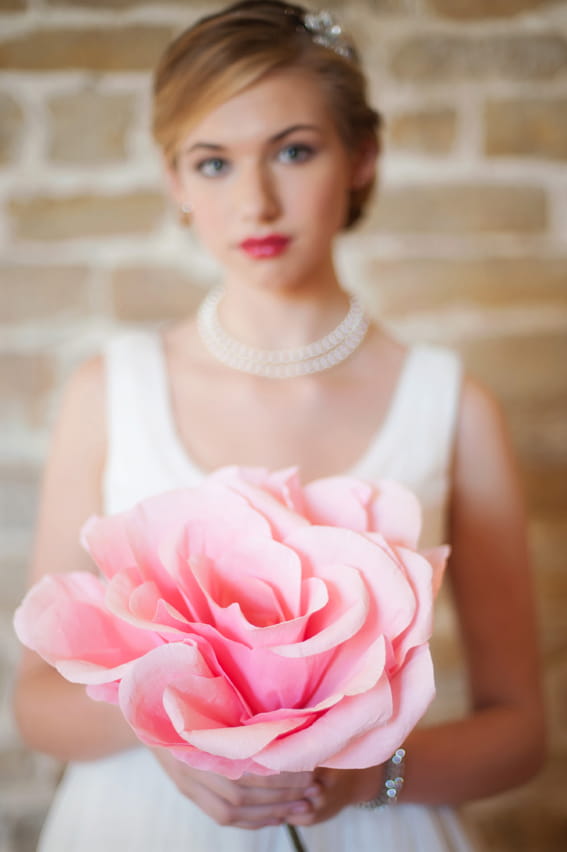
{"points": [[253, 801], [337, 789]]}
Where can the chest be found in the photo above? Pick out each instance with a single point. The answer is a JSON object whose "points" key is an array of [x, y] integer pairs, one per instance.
{"points": [[324, 426]]}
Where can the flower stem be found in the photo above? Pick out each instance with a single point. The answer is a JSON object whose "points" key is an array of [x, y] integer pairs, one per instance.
{"points": [[295, 838]]}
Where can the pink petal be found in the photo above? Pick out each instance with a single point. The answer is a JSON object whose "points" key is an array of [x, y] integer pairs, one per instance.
{"points": [[391, 597], [347, 720], [338, 501], [240, 743], [64, 620], [413, 689], [437, 558], [343, 615], [143, 686], [395, 512]]}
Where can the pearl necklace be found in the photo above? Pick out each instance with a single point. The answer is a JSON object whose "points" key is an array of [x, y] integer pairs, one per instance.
{"points": [[280, 363]]}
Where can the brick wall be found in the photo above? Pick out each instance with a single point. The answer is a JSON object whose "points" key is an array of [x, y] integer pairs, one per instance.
{"points": [[466, 247]]}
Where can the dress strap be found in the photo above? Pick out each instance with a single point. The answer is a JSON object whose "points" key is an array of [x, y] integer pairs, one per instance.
{"points": [[139, 444], [415, 445]]}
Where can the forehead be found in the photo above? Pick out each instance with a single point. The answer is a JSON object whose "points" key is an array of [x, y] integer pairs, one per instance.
{"points": [[279, 100]]}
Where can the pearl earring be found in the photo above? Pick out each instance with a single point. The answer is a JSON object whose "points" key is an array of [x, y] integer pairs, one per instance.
{"points": [[186, 208]]}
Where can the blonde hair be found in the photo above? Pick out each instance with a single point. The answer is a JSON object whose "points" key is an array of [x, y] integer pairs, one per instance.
{"points": [[223, 53]]}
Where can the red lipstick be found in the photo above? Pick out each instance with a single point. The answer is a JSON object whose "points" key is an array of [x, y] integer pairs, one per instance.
{"points": [[266, 247]]}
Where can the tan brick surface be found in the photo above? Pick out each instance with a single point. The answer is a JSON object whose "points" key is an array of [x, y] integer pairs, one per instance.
{"points": [[527, 127], [42, 292], [53, 218], [469, 9], [460, 209], [442, 58], [526, 366], [404, 286], [429, 131], [26, 379], [129, 48], [546, 489], [549, 545], [470, 226], [11, 128], [12, 5], [13, 578], [18, 486], [89, 127], [144, 295]]}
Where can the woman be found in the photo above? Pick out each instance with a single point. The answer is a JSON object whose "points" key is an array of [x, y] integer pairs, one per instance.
{"points": [[270, 145]]}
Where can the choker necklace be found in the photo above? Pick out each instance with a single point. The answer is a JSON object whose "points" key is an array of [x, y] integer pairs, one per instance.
{"points": [[280, 363]]}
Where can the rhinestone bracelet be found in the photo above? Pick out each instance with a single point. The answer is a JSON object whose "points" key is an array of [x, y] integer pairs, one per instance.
{"points": [[393, 782]]}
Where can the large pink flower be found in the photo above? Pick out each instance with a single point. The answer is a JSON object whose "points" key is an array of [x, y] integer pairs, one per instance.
{"points": [[252, 624]]}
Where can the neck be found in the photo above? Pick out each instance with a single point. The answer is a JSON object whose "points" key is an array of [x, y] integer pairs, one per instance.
{"points": [[281, 319]]}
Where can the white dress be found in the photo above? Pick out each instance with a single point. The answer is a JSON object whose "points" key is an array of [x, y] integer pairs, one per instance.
{"points": [[126, 803]]}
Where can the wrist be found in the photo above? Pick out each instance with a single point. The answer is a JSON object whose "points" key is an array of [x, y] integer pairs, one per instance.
{"points": [[391, 783]]}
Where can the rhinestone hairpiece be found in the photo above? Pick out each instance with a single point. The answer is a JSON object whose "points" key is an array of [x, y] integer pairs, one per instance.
{"points": [[326, 31]]}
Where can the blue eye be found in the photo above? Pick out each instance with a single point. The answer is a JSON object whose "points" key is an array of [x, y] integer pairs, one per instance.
{"points": [[296, 153], [212, 167]]}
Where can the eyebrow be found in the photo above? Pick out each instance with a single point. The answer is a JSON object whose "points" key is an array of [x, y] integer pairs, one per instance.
{"points": [[211, 146]]}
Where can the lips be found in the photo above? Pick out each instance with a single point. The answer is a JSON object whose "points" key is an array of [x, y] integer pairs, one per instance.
{"points": [[269, 246]]}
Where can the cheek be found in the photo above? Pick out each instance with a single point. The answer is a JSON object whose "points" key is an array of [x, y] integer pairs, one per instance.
{"points": [[328, 203]]}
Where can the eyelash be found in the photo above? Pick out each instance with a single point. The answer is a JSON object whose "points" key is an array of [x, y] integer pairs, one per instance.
{"points": [[306, 152]]}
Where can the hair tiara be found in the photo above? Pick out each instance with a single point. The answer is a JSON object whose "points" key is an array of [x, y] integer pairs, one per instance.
{"points": [[326, 31]]}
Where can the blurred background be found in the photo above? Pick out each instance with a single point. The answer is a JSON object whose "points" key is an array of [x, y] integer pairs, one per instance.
{"points": [[465, 245]]}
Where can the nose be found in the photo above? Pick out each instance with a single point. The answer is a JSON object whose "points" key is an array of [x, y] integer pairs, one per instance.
{"points": [[257, 195]]}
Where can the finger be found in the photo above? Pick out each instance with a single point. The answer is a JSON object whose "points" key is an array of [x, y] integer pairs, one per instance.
{"points": [[299, 780], [261, 815], [243, 796]]}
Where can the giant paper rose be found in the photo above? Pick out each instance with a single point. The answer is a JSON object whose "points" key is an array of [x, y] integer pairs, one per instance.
{"points": [[252, 624]]}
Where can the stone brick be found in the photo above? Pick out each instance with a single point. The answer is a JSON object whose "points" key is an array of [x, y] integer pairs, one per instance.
{"points": [[444, 58], [61, 218], [399, 287], [546, 490], [127, 48], [106, 4], [13, 575], [520, 367], [147, 294], [530, 818], [548, 539], [464, 9], [11, 128], [459, 209], [25, 829], [17, 764], [430, 131], [89, 127], [26, 380], [556, 691], [12, 5], [42, 292], [530, 127], [538, 427]]}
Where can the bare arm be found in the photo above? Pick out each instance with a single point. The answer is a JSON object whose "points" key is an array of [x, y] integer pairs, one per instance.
{"points": [[54, 716], [57, 717], [500, 743]]}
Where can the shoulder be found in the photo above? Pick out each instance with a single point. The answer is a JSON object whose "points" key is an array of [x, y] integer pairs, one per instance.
{"points": [[485, 465], [481, 422], [80, 428], [84, 392]]}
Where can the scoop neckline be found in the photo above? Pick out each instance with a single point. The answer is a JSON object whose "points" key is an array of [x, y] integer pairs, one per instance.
{"points": [[182, 457]]}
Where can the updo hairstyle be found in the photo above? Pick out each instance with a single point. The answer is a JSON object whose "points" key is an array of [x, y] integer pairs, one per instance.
{"points": [[224, 53]]}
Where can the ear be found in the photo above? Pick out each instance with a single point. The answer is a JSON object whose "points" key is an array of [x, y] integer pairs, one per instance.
{"points": [[364, 163], [172, 180]]}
